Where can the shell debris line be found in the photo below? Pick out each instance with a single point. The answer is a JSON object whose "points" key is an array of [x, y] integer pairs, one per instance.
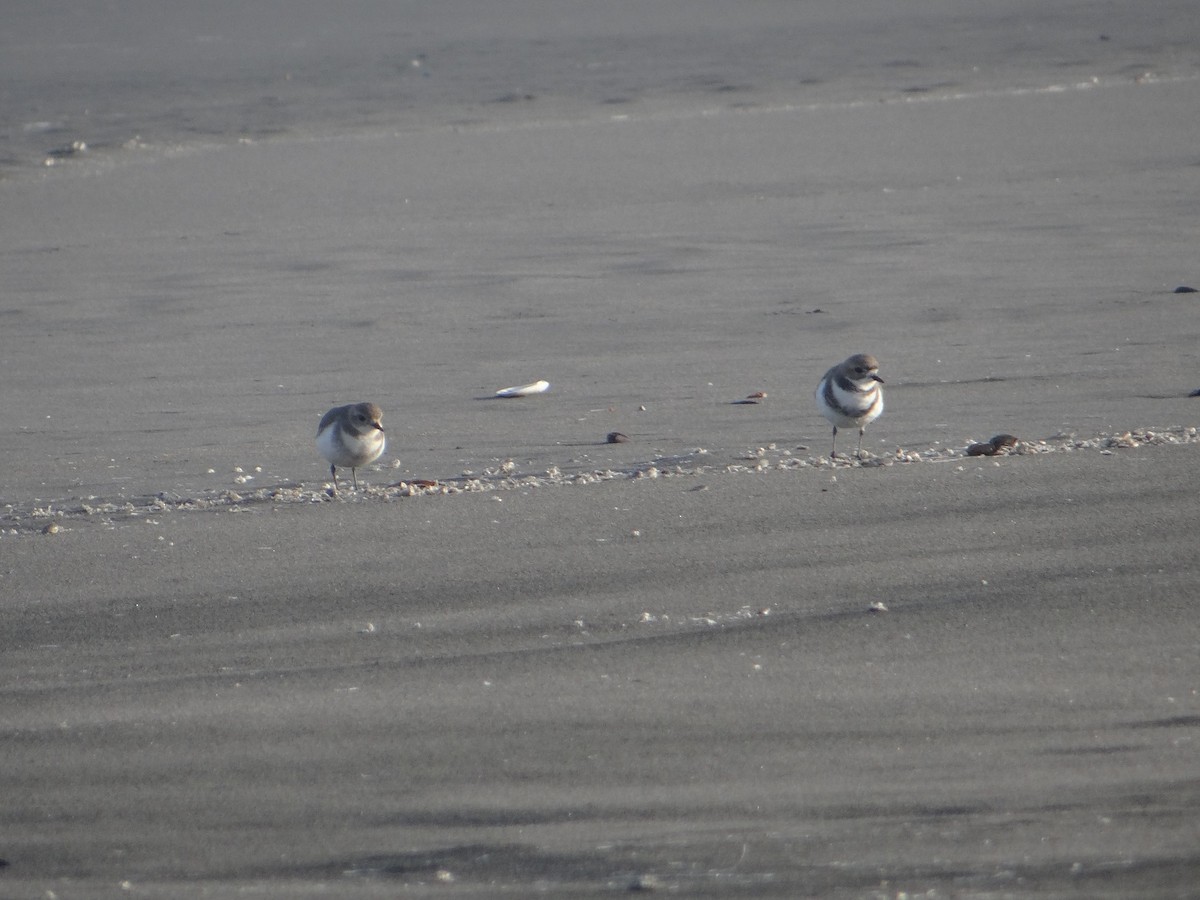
{"points": [[37, 516]]}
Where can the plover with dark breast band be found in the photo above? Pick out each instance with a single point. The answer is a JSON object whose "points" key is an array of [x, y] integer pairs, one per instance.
{"points": [[351, 436], [849, 395]]}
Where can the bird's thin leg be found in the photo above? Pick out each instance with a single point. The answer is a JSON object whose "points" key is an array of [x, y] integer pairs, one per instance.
{"points": [[858, 452], [333, 473], [354, 475], [833, 446]]}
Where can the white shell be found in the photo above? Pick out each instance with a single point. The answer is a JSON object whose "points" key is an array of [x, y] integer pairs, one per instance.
{"points": [[524, 390]]}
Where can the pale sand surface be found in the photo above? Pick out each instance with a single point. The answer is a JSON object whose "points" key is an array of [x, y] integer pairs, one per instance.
{"points": [[346, 698], [1008, 258], [569, 678]]}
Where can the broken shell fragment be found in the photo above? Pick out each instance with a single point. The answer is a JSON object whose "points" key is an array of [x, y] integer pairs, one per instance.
{"points": [[751, 399], [616, 437], [524, 390]]}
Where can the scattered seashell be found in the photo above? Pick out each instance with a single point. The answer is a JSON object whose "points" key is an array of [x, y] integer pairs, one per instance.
{"points": [[1184, 289], [524, 390], [877, 607], [52, 528], [616, 437], [751, 399], [645, 883]]}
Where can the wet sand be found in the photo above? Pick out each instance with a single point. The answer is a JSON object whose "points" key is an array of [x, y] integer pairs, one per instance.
{"points": [[705, 662], [572, 688]]}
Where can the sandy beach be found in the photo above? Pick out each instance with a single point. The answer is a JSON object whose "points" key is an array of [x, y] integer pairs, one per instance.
{"points": [[707, 661]]}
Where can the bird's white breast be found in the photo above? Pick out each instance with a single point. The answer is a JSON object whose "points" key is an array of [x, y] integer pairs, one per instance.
{"points": [[348, 450], [852, 407]]}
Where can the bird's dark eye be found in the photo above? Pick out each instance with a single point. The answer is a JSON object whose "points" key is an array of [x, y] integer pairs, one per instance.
{"points": [[858, 369]]}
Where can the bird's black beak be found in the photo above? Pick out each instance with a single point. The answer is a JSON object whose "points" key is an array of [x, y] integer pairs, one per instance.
{"points": [[877, 378]]}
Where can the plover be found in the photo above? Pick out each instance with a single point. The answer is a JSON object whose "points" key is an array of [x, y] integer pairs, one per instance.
{"points": [[351, 436], [849, 395]]}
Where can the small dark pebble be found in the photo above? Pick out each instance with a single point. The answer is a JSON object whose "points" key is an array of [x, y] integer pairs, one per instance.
{"points": [[647, 883], [69, 150], [615, 437], [1184, 289], [992, 447], [1195, 393]]}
